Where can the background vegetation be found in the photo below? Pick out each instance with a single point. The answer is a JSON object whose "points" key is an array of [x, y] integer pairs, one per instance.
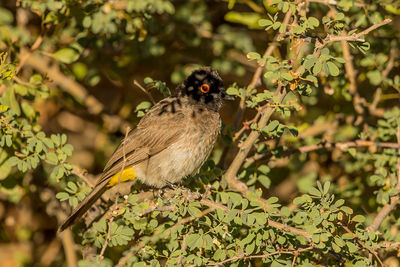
{"points": [[307, 169]]}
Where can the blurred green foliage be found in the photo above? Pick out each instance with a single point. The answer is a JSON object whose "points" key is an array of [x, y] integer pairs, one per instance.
{"points": [[340, 112]]}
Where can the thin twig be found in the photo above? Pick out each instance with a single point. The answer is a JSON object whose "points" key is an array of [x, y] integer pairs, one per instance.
{"points": [[324, 144], [69, 248], [68, 84], [108, 238], [270, 222], [263, 256], [358, 101], [145, 91], [230, 175], [78, 172], [373, 106], [394, 200], [355, 37], [398, 159], [157, 236], [26, 54], [371, 250], [257, 74], [103, 248]]}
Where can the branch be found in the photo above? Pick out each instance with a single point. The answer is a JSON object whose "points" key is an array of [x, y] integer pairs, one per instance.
{"points": [[358, 101], [263, 256], [145, 91], [394, 200], [212, 206], [371, 251], [373, 106], [24, 55], [324, 144], [355, 37], [75, 89], [80, 173], [256, 76], [69, 248], [230, 175], [108, 238]]}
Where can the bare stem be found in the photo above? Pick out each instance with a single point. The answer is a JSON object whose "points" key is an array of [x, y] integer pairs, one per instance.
{"points": [[145, 91]]}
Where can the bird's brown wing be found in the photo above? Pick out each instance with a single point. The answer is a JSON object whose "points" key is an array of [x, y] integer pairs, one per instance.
{"points": [[161, 127], [156, 131]]}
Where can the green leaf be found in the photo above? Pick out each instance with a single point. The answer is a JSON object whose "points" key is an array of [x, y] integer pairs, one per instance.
{"points": [[333, 69], [309, 62], [232, 91], [66, 55], [264, 180], [317, 68], [375, 77], [253, 55], [293, 130], [62, 196], [249, 19], [264, 22], [144, 105], [339, 16], [314, 191], [52, 158], [326, 187], [10, 100], [347, 210], [313, 22], [351, 246], [192, 240], [358, 218], [287, 76], [271, 126]]}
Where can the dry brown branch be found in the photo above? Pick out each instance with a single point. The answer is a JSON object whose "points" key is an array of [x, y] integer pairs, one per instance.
{"points": [[370, 250], [80, 173], [358, 101], [211, 207], [270, 222], [313, 147], [257, 74], [383, 213], [394, 200], [398, 159], [246, 126], [373, 106], [25, 54], [183, 248], [237, 162], [68, 84], [355, 37], [263, 256], [108, 238], [157, 236], [144, 91], [69, 248], [103, 248]]}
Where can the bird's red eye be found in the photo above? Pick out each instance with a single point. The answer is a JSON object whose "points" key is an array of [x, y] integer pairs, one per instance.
{"points": [[205, 88]]}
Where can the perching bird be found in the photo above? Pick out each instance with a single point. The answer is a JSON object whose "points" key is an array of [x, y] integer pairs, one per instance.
{"points": [[171, 141]]}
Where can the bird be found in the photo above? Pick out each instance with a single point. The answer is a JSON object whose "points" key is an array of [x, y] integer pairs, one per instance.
{"points": [[172, 141]]}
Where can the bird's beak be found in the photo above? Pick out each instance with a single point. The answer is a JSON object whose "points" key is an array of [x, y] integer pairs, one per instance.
{"points": [[225, 96]]}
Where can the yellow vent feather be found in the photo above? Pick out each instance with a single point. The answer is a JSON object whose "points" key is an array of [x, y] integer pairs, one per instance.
{"points": [[128, 174]]}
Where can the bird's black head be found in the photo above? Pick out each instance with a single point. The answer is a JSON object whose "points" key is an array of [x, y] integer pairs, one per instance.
{"points": [[205, 86]]}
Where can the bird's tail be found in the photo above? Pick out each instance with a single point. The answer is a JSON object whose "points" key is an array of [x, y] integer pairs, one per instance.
{"points": [[84, 205]]}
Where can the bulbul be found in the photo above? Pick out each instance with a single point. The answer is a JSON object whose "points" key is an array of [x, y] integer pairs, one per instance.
{"points": [[171, 141]]}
